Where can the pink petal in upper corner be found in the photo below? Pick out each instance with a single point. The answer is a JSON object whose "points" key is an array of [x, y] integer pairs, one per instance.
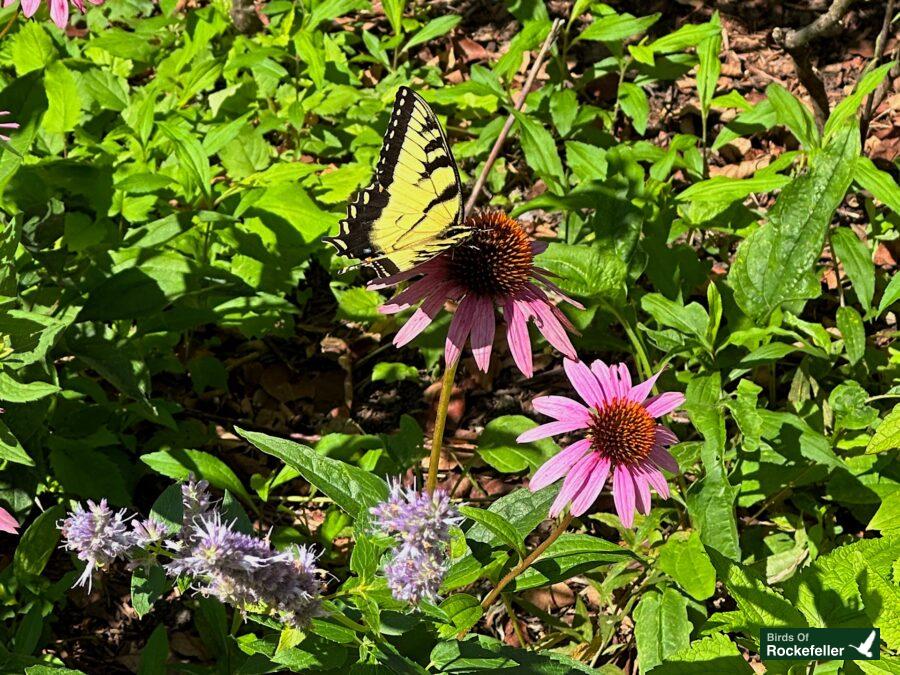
{"points": [[559, 465], [640, 392], [420, 318], [483, 332], [623, 495], [664, 403], [661, 457], [595, 483], [460, 327], [517, 337], [584, 382], [538, 247], [550, 429], [657, 480], [59, 12], [7, 3], [79, 4], [29, 7], [574, 483], [664, 436], [561, 408], [8, 523], [434, 266]]}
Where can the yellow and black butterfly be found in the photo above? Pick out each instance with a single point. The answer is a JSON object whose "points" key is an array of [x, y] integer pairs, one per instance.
{"points": [[413, 209]]}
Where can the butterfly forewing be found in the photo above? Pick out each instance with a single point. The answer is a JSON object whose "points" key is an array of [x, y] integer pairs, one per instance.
{"points": [[413, 209]]}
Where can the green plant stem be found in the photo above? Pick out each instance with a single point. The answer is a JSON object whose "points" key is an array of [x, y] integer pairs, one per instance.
{"points": [[440, 422], [9, 25], [510, 612], [643, 361], [524, 565]]}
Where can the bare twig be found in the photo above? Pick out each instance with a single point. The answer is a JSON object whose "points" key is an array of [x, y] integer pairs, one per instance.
{"points": [[795, 39], [520, 103], [878, 95], [795, 42]]}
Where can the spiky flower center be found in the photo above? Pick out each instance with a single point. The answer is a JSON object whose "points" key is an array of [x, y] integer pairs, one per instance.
{"points": [[496, 260], [622, 431]]}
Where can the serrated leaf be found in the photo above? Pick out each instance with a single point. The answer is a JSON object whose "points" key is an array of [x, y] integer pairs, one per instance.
{"points": [[540, 151], [715, 654], [64, 102], [498, 447], [37, 543], [497, 525], [464, 611], [887, 435], [857, 262], [13, 391], [684, 558], [180, 464]]}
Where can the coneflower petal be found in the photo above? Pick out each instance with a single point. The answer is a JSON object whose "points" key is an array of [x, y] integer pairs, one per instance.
{"points": [[592, 488], [517, 337], [460, 327], [557, 466], [664, 403], [574, 483], [584, 382], [561, 408], [483, 332], [623, 495]]}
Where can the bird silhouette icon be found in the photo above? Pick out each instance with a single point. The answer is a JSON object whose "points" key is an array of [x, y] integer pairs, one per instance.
{"points": [[865, 648]]}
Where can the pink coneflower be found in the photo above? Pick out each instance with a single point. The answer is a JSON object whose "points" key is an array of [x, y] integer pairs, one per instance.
{"points": [[6, 125], [493, 268], [59, 9], [622, 438], [8, 523]]}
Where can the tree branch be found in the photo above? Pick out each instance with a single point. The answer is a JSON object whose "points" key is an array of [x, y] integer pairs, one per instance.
{"points": [[794, 42]]}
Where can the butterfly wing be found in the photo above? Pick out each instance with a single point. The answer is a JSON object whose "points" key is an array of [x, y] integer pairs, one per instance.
{"points": [[413, 209]]}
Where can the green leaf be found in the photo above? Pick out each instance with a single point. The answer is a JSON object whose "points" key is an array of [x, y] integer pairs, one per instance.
{"points": [[790, 112], [684, 559], [155, 653], [63, 99], [14, 391], [10, 448], [353, 489], [715, 654], [661, 627], [328, 10], [774, 264], [357, 303], [881, 600], [850, 323], [393, 10], [847, 108], [891, 294], [569, 556], [464, 611], [31, 48], [497, 525], [689, 35], [880, 183], [594, 272], [588, 162], [180, 464], [564, 110], [887, 518], [617, 27], [128, 294], [540, 151], [147, 586], [710, 66], [191, 157], [857, 262], [433, 29], [635, 105], [483, 654], [691, 319], [759, 604], [724, 190], [389, 372], [887, 435], [37, 544], [498, 447]]}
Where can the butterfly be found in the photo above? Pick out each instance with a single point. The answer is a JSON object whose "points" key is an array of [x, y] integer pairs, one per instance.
{"points": [[413, 209]]}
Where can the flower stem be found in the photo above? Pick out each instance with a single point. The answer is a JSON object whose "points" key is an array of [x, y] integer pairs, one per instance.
{"points": [[440, 422], [524, 565], [9, 25]]}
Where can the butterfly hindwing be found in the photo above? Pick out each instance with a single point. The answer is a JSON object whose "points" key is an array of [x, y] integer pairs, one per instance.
{"points": [[413, 208]]}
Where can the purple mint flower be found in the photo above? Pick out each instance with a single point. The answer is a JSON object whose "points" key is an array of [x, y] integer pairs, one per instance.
{"points": [[246, 571], [197, 503], [97, 535], [148, 532], [414, 574], [420, 523]]}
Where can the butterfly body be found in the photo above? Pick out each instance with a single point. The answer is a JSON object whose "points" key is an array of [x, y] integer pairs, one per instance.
{"points": [[413, 208]]}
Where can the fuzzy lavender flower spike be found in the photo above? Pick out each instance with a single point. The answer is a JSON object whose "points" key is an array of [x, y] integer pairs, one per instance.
{"points": [[247, 572], [420, 523], [98, 535], [197, 503]]}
